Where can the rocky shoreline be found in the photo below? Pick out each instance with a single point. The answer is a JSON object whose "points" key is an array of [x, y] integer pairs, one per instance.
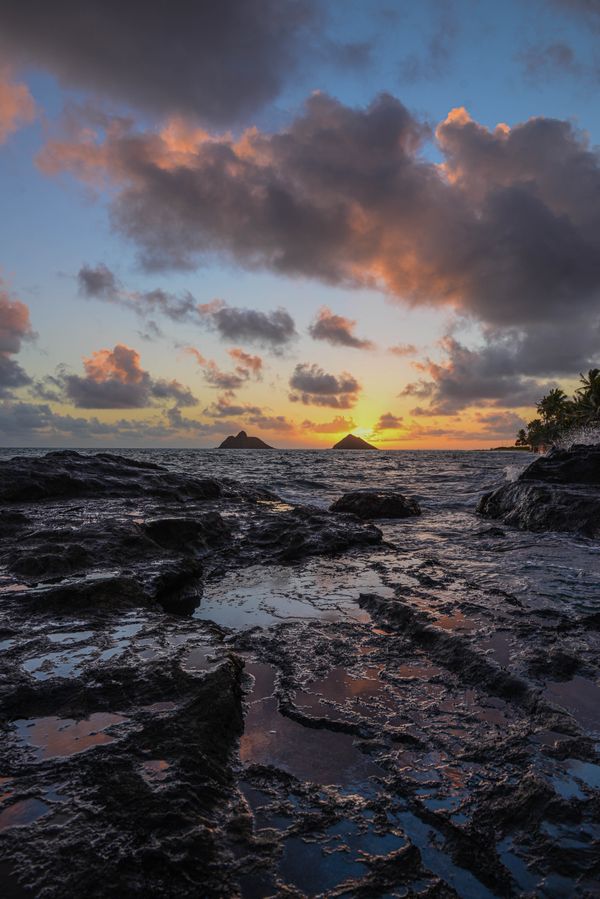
{"points": [[557, 492], [353, 736]]}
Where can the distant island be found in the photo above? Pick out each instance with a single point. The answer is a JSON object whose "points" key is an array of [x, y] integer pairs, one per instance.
{"points": [[242, 441], [495, 449], [350, 442]]}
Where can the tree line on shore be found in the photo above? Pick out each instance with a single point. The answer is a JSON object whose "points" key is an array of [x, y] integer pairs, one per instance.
{"points": [[558, 414]]}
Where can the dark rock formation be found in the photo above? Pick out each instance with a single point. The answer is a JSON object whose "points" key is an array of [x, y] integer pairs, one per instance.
{"points": [[67, 474], [350, 442], [578, 465], [376, 504], [242, 441], [286, 536], [557, 492]]}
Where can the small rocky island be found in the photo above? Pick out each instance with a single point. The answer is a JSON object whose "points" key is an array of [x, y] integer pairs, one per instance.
{"points": [[351, 442], [557, 492], [243, 441]]}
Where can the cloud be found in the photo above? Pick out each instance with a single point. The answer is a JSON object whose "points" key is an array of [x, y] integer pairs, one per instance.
{"points": [[435, 61], [313, 386], [505, 230], [588, 10], [215, 61], [223, 407], [505, 371], [389, 422], [100, 283], [353, 55], [336, 426], [15, 327], [271, 422], [336, 330], [246, 362], [541, 60], [271, 329], [114, 379], [403, 349], [247, 367], [17, 107]]}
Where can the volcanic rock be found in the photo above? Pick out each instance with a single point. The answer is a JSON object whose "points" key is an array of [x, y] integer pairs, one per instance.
{"points": [[287, 536], [68, 474], [557, 492], [376, 504]]}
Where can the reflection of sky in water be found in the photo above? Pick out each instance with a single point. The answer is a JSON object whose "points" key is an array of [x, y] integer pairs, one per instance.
{"points": [[53, 737], [25, 812], [322, 756], [580, 697], [319, 589]]}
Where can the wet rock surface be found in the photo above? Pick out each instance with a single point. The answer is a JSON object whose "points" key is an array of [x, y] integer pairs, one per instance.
{"points": [[237, 695], [377, 504], [559, 491]]}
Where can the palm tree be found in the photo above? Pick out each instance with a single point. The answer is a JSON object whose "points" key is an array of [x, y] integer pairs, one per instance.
{"points": [[587, 397], [554, 406], [522, 438]]}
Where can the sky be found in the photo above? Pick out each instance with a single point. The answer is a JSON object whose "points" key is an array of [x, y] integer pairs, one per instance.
{"points": [[301, 218]]}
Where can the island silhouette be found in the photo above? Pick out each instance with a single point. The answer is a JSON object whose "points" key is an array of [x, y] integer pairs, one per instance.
{"points": [[243, 441], [351, 442]]}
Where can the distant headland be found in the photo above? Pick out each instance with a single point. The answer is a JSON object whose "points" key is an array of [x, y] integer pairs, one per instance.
{"points": [[242, 441], [350, 442]]}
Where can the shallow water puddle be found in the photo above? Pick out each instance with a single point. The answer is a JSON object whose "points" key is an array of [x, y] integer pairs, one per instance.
{"points": [[340, 693], [263, 597], [422, 835], [54, 737], [70, 636], [25, 812], [316, 755], [457, 621], [499, 647], [57, 664], [155, 770], [580, 697], [200, 658]]}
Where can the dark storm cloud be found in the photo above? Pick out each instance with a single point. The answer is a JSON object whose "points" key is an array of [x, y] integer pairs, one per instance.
{"points": [[218, 61], [312, 385], [273, 329], [507, 231], [337, 330]]}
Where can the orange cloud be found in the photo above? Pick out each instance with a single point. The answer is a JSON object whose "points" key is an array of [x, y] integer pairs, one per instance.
{"points": [[246, 361], [17, 107], [121, 364]]}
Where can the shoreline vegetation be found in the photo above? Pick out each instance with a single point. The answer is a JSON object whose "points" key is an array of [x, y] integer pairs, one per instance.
{"points": [[561, 417]]}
